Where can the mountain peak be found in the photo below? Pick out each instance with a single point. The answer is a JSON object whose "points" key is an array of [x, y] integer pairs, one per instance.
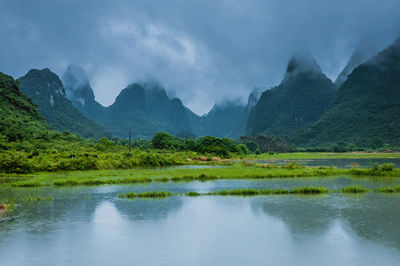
{"points": [[45, 77], [77, 85], [302, 62], [360, 55]]}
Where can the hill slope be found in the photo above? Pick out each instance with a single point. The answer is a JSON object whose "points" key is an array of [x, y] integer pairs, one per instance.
{"points": [[19, 117], [366, 109], [47, 91], [298, 101]]}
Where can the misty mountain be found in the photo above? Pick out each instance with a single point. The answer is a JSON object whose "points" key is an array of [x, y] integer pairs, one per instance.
{"points": [[300, 99], [227, 119], [79, 91], [145, 109], [366, 110], [253, 98], [46, 90], [363, 52]]}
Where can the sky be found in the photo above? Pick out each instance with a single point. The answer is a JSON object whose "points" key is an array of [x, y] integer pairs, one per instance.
{"points": [[202, 51]]}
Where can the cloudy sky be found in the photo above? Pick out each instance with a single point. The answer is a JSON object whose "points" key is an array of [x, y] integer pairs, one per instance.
{"points": [[202, 51]]}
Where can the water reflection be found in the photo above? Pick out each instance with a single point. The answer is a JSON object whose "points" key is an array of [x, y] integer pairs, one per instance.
{"points": [[302, 215], [92, 226], [374, 217]]}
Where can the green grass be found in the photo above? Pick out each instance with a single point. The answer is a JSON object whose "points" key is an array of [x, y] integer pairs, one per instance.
{"points": [[354, 189], [143, 176], [150, 194]]}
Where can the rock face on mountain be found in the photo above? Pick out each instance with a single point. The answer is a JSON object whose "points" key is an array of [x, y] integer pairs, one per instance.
{"points": [[362, 53], [19, 117], [366, 109], [46, 90], [300, 99]]}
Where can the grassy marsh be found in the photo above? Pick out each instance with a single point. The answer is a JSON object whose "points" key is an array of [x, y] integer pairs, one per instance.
{"points": [[142, 176]]}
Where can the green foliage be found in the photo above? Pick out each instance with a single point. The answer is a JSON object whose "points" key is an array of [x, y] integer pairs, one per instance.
{"points": [[163, 140]]}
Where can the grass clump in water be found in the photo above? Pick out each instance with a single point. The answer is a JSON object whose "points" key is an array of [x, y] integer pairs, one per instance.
{"points": [[354, 189], [149, 194], [309, 190], [192, 194], [235, 192], [395, 189], [278, 191]]}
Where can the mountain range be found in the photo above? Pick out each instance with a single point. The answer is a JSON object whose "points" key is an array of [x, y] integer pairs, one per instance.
{"points": [[362, 107], [145, 108]]}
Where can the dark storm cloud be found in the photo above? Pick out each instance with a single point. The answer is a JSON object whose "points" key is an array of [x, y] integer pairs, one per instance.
{"points": [[202, 51]]}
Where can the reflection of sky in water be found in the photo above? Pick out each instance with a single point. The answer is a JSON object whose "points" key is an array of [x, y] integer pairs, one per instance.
{"points": [[93, 227]]}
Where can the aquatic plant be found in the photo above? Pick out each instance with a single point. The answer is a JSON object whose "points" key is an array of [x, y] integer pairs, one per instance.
{"points": [[354, 189], [278, 191], [192, 194], [395, 189], [309, 190], [150, 194]]}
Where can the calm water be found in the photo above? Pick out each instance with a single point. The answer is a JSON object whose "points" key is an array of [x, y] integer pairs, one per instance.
{"points": [[340, 163], [91, 226]]}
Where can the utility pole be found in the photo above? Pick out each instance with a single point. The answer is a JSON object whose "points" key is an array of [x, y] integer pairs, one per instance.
{"points": [[130, 141]]}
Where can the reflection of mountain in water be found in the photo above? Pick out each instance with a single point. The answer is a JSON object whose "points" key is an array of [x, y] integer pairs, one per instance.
{"points": [[374, 217], [79, 205], [301, 214], [144, 209]]}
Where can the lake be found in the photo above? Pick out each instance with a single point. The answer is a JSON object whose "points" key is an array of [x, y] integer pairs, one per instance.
{"points": [[92, 226]]}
